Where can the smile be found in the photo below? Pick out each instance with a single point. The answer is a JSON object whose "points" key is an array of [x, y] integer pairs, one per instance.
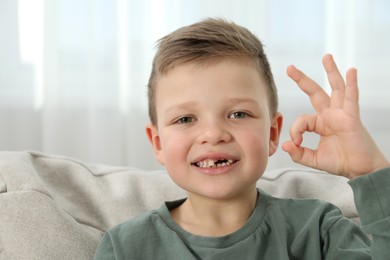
{"points": [[214, 163]]}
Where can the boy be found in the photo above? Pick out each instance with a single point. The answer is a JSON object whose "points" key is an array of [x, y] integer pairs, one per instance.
{"points": [[214, 123]]}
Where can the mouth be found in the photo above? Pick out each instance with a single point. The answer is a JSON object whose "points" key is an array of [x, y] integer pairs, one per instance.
{"points": [[214, 163]]}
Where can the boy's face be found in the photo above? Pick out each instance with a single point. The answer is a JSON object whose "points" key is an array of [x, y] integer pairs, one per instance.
{"points": [[214, 132]]}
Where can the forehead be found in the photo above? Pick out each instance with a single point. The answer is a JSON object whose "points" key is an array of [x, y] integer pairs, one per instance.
{"points": [[206, 61], [231, 77], [204, 66]]}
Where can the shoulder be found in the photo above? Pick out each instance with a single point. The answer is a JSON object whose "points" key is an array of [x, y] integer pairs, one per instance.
{"points": [[303, 214], [137, 229], [144, 237], [300, 206], [145, 227], [127, 238]]}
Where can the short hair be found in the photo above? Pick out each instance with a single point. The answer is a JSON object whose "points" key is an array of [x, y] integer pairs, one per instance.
{"points": [[205, 41]]}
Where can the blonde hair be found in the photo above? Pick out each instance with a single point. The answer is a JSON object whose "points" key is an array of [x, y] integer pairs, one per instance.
{"points": [[206, 41]]}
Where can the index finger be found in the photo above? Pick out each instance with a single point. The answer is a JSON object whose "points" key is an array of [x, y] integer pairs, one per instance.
{"points": [[318, 97]]}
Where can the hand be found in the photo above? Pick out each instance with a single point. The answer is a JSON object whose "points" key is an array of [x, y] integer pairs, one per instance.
{"points": [[345, 147]]}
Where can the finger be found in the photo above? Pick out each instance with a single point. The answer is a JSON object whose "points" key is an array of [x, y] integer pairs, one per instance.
{"points": [[304, 123], [351, 103], [301, 155], [336, 81], [318, 97]]}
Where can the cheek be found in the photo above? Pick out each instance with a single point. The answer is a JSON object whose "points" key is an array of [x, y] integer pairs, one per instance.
{"points": [[258, 135], [176, 151], [257, 143], [175, 147], [261, 145], [259, 154]]}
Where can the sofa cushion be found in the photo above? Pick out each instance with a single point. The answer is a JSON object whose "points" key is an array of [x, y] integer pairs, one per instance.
{"points": [[55, 207]]}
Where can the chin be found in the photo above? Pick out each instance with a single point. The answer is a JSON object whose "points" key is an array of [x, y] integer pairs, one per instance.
{"points": [[221, 193]]}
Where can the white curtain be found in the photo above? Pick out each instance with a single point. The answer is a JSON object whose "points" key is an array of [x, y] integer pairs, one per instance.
{"points": [[73, 73]]}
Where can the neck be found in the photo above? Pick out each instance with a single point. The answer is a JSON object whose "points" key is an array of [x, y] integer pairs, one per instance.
{"points": [[210, 217]]}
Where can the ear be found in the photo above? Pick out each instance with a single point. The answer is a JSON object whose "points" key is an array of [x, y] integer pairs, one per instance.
{"points": [[275, 130], [154, 138]]}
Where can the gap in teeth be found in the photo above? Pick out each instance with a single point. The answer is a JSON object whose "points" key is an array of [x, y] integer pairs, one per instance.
{"points": [[212, 163]]}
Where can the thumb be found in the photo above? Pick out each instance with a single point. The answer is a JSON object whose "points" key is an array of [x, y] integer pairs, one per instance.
{"points": [[298, 154], [293, 150]]}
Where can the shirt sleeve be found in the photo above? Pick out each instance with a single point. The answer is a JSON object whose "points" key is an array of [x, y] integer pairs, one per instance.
{"points": [[105, 250], [372, 199]]}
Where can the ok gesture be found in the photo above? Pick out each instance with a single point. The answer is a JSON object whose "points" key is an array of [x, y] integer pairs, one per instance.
{"points": [[345, 147]]}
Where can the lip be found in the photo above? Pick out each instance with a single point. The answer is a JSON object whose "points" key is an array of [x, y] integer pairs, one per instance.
{"points": [[215, 156], [215, 170]]}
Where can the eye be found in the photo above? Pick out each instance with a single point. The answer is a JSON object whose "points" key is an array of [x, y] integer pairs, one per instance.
{"points": [[238, 115], [185, 120]]}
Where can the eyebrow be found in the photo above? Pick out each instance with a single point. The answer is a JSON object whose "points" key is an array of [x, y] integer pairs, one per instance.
{"points": [[233, 101], [242, 100], [184, 105]]}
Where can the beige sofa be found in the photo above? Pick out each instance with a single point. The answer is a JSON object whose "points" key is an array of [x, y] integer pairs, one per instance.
{"points": [[54, 207]]}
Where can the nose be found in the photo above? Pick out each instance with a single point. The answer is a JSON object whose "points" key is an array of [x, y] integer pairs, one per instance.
{"points": [[214, 133]]}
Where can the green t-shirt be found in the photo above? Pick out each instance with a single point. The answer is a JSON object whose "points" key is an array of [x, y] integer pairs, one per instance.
{"points": [[277, 229]]}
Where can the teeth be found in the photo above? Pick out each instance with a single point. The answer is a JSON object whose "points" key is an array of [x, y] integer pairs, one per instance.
{"points": [[214, 163]]}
